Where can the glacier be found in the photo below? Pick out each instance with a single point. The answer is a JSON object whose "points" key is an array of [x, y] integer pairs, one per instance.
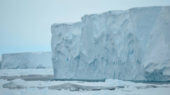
{"points": [[127, 44], [26, 60]]}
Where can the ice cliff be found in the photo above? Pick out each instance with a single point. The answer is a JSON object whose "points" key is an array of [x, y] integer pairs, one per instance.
{"points": [[26, 60], [129, 45]]}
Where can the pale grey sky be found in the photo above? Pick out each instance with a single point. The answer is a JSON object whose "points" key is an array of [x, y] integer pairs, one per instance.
{"points": [[25, 24]]}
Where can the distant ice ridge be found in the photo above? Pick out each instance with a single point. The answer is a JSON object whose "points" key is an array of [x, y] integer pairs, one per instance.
{"points": [[26, 60], [128, 45]]}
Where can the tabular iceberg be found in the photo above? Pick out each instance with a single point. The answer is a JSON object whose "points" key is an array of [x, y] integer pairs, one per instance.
{"points": [[26, 60], [129, 45]]}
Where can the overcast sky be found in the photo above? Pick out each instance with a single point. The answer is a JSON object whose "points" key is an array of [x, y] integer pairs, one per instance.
{"points": [[25, 24]]}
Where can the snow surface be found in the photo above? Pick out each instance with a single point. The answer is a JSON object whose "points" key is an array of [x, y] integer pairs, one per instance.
{"points": [[26, 60], [128, 45]]}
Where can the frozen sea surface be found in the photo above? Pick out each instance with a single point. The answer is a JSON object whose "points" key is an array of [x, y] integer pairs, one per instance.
{"points": [[19, 86]]}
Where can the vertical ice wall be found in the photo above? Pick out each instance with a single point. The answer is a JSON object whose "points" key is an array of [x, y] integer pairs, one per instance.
{"points": [[127, 45], [157, 53], [65, 47], [0, 60]]}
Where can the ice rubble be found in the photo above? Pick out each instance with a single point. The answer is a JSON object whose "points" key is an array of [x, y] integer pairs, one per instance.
{"points": [[129, 45], [26, 60]]}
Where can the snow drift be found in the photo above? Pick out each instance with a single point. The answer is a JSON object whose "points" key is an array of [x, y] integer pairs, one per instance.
{"points": [[26, 60], [129, 45]]}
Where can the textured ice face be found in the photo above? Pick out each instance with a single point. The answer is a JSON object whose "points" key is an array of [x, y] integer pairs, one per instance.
{"points": [[127, 45], [157, 54], [0, 57], [0, 60], [26, 60]]}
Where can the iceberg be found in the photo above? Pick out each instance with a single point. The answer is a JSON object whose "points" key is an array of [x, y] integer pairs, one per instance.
{"points": [[128, 45], [27, 60]]}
